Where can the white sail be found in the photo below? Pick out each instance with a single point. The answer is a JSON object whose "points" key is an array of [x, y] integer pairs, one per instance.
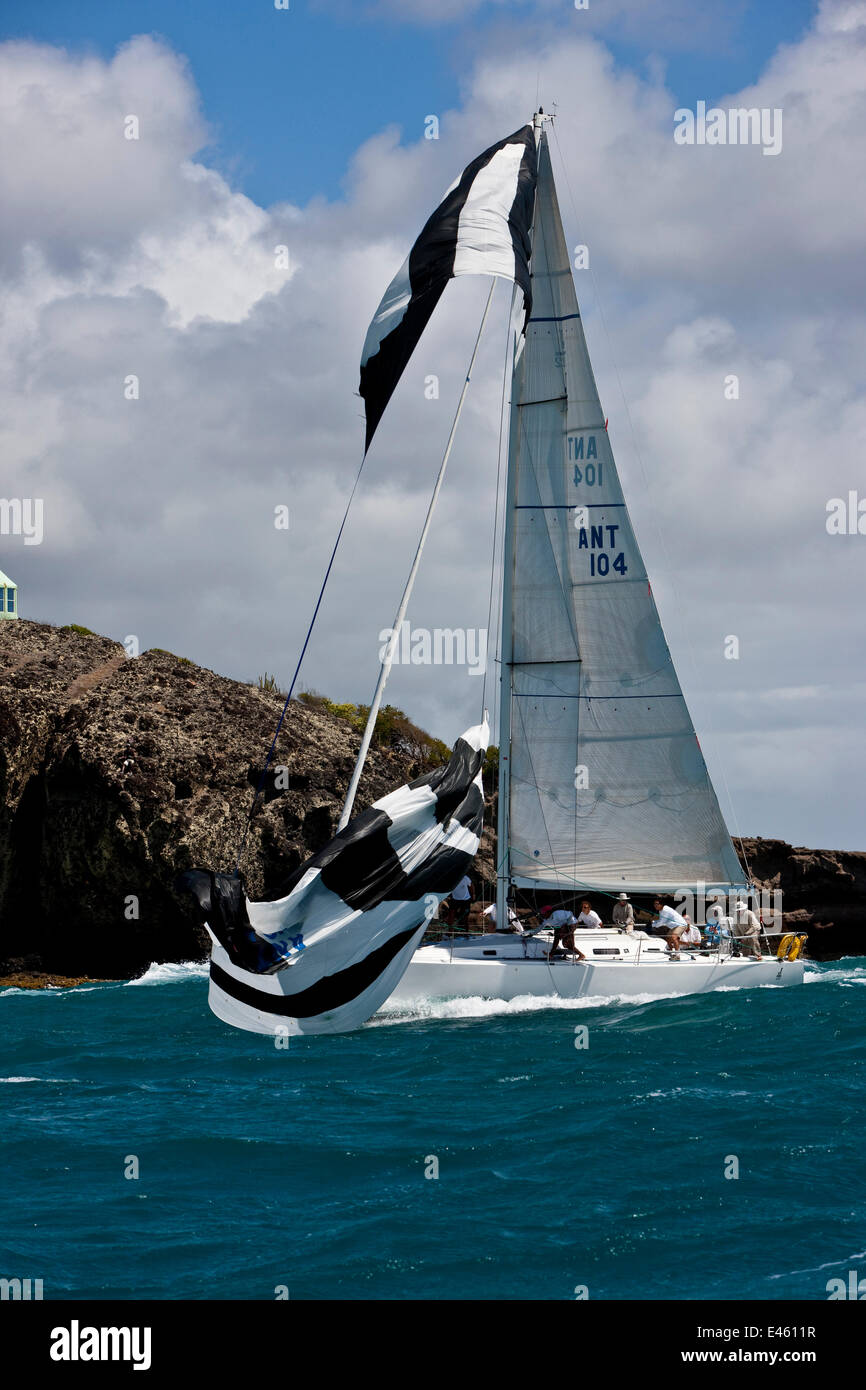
{"points": [[608, 785]]}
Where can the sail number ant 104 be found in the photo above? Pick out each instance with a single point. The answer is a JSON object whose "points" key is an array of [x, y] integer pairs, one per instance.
{"points": [[599, 540]]}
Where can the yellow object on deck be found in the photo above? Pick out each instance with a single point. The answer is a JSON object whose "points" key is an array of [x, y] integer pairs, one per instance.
{"points": [[791, 945]]}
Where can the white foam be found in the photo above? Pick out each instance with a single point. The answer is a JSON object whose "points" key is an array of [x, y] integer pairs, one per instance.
{"points": [[839, 975], [172, 972], [45, 1080], [816, 1269], [48, 992], [419, 1010]]}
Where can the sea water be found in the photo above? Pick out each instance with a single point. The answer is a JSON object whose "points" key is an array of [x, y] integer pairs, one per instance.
{"points": [[705, 1147]]}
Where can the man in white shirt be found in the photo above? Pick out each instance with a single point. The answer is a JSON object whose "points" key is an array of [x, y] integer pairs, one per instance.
{"points": [[461, 900], [586, 916], [747, 930], [692, 934], [668, 918]]}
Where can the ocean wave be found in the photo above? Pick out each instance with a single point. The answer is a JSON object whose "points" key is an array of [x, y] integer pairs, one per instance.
{"points": [[816, 1269], [44, 1080], [422, 1010], [49, 992], [172, 972], [840, 974]]}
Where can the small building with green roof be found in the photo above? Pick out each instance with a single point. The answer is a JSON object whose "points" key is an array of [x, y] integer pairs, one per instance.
{"points": [[8, 597]]}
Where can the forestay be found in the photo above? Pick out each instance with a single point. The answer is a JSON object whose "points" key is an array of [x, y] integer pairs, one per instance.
{"points": [[608, 785]]}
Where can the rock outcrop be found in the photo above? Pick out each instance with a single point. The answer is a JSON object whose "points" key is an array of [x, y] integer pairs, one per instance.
{"points": [[115, 774], [823, 892]]}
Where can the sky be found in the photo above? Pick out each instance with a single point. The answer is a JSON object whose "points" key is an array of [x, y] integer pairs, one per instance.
{"points": [[304, 128]]}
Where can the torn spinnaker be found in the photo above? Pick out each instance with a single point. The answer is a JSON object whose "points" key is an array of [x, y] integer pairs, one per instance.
{"points": [[326, 954]]}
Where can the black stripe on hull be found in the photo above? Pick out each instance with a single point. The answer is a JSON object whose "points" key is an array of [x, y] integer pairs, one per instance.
{"points": [[327, 994]]}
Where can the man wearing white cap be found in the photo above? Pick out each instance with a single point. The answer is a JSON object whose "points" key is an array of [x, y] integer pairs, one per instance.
{"points": [[747, 929], [623, 913]]}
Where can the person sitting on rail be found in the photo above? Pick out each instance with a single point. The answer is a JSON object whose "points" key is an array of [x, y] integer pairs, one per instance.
{"points": [[692, 934]]}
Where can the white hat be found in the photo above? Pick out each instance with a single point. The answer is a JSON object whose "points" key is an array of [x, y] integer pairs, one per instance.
{"points": [[742, 905], [623, 897]]}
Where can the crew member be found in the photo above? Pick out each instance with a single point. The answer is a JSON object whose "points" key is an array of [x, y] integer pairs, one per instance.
{"points": [[747, 930], [461, 901], [586, 917], [670, 920], [563, 923], [623, 913]]}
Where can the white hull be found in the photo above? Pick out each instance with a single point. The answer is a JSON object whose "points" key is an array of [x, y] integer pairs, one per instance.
{"points": [[641, 968]]}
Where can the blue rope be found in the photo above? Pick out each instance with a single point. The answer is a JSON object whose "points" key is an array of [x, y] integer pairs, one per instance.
{"points": [[298, 667]]}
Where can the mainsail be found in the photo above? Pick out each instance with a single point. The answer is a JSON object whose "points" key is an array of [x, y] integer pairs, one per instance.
{"points": [[608, 788]]}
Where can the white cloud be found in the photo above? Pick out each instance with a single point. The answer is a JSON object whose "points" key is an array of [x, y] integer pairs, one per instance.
{"points": [[133, 257], [85, 208]]}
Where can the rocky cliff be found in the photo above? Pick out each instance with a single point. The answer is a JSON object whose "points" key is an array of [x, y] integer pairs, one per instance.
{"points": [[823, 892], [115, 774]]}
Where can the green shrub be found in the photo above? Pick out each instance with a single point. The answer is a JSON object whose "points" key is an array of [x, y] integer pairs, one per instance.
{"points": [[268, 684], [161, 651], [394, 728]]}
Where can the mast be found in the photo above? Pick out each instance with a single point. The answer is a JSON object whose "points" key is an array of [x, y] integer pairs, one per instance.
{"points": [[506, 649], [388, 658], [503, 864]]}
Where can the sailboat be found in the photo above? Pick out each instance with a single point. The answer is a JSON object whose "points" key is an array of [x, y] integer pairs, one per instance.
{"points": [[603, 787]]}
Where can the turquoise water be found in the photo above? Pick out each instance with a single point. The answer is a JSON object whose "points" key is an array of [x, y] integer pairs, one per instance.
{"points": [[558, 1167]]}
